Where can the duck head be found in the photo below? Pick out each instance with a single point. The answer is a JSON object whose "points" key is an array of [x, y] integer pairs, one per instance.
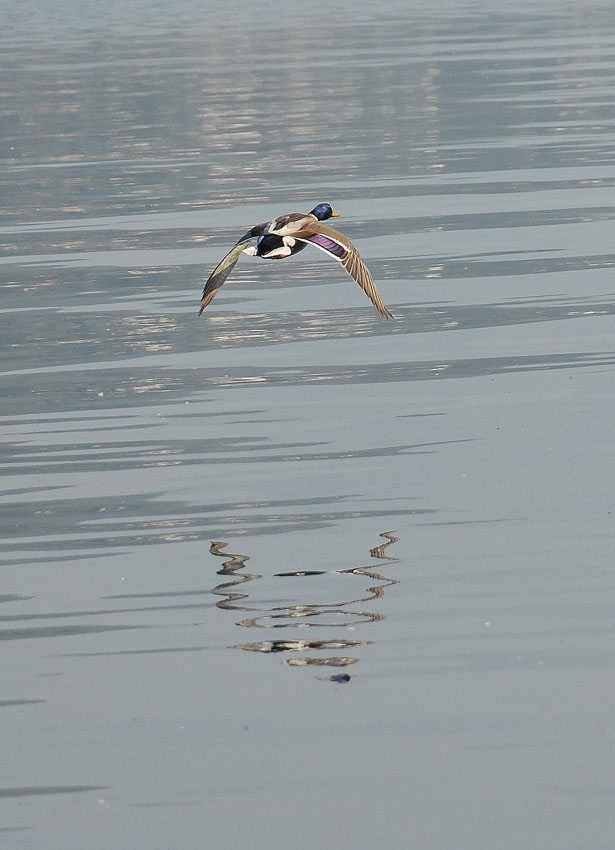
{"points": [[322, 212]]}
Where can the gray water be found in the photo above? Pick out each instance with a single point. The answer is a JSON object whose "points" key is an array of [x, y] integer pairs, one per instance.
{"points": [[290, 574]]}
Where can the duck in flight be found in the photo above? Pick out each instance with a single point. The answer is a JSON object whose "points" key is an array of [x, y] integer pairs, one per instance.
{"points": [[289, 234]]}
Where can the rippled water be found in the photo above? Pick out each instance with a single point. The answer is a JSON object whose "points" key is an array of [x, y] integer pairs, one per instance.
{"points": [[417, 514]]}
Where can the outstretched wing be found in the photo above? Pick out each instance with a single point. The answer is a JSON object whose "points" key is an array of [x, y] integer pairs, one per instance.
{"points": [[225, 267], [336, 245]]}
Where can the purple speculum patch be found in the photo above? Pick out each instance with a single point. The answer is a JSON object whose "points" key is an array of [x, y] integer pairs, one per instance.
{"points": [[328, 244]]}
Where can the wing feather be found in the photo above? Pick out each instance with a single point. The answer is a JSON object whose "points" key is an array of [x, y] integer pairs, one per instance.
{"points": [[226, 265], [338, 246]]}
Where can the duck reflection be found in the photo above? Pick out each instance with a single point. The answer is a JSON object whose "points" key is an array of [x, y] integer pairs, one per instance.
{"points": [[336, 614]]}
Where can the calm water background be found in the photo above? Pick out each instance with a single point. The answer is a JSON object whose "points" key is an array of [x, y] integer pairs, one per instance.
{"points": [[447, 686]]}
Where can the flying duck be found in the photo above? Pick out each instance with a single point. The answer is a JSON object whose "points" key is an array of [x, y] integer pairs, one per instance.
{"points": [[289, 234]]}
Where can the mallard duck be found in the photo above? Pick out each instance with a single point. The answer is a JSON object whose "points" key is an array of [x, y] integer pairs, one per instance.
{"points": [[287, 235]]}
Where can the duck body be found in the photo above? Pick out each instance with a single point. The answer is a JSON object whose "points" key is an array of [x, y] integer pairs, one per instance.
{"points": [[288, 235], [270, 246]]}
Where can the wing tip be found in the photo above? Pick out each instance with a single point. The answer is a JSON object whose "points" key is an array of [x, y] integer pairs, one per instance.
{"points": [[207, 299]]}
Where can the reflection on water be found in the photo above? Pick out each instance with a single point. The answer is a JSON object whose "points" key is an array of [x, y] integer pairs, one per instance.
{"points": [[338, 614]]}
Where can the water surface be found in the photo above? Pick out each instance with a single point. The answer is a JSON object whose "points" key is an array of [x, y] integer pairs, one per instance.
{"points": [[290, 569]]}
